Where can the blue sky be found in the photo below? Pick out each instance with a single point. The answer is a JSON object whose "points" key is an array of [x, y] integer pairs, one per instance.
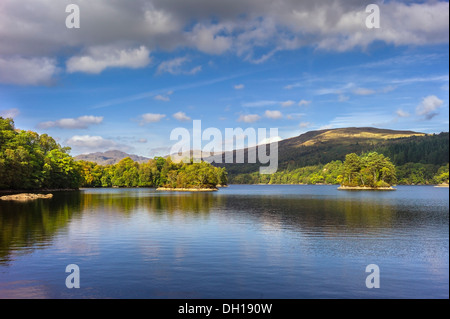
{"points": [[133, 72]]}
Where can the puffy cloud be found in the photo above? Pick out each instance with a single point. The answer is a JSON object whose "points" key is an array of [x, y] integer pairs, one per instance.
{"points": [[100, 58], [208, 39], [151, 118], [428, 106], [9, 113], [181, 116], [82, 122], [92, 143], [249, 118], [27, 71], [274, 115], [35, 28]]}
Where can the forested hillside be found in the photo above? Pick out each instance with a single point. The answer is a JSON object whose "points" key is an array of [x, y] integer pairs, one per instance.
{"points": [[32, 161], [317, 157]]}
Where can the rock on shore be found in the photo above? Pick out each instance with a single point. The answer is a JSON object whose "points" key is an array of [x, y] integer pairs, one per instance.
{"points": [[25, 197]]}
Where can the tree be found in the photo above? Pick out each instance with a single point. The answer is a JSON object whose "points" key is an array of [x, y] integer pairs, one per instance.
{"points": [[352, 168], [371, 169], [32, 161]]}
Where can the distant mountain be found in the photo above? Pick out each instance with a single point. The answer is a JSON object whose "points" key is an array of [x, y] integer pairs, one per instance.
{"points": [[109, 157], [324, 146]]}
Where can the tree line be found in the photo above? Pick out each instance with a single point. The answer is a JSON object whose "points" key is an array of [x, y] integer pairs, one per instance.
{"points": [[157, 172], [29, 161], [353, 171]]}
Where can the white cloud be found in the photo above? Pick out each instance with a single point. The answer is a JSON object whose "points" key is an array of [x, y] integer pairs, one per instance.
{"points": [[239, 86], [304, 103], [82, 122], [401, 113], [164, 97], [100, 58], [194, 70], [291, 86], [208, 39], [91, 143], [9, 113], [269, 140], [160, 97], [428, 106], [175, 66], [287, 103], [240, 27], [181, 116], [249, 118], [151, 118], [32, 71], [273, 114]]}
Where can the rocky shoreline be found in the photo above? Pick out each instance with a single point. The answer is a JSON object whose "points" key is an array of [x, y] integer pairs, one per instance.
{"points": [[26, 197]]}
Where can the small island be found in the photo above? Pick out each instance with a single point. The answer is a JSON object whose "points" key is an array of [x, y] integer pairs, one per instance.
{"points": [[365, 188], [192, 177], [371, 171], [176, 189]]}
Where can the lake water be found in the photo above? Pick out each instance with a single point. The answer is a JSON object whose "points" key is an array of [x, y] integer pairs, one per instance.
{"points": [[259, 241]]}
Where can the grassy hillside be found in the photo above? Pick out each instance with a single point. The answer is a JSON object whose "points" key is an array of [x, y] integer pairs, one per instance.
{"points": [[109, 157], [325, 146]]}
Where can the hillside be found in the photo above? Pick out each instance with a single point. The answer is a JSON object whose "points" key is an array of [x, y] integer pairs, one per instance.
{"points": [[324, 146], [109, 157]]}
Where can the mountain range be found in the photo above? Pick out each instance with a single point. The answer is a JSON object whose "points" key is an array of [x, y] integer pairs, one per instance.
{"points": [[109, 157]]}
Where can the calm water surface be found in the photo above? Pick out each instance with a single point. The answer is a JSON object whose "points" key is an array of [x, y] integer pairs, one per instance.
{"points": [[261, 241]]}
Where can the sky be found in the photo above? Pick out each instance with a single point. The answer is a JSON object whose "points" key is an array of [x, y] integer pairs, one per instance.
{"points": [[136, 70]]}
